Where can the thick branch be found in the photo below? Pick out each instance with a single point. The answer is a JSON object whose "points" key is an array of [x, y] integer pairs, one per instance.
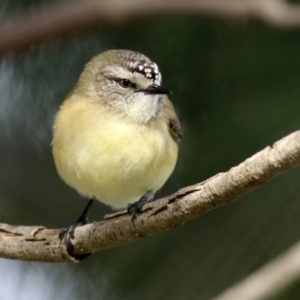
{"points": [[40, 244], [40, 25]]}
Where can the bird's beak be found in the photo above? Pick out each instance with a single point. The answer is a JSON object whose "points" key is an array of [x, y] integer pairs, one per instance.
{"points": [[156, 89]]}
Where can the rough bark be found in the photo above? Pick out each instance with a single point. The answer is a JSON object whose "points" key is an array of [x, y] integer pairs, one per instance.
{"points": [[40, 244]]}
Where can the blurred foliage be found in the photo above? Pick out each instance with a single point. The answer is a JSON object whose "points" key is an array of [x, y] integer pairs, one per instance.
{"points": [[236, 89]]}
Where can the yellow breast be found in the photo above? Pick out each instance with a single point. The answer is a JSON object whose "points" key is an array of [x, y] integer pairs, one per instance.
{"points": [[103, 155]]}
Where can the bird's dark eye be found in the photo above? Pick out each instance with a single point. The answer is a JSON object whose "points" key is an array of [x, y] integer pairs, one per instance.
{"points": [[125, 83]]}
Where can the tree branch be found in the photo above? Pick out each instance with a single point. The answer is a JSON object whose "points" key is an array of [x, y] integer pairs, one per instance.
{"points": [[268, 280], [40, 244], [43, 24]]}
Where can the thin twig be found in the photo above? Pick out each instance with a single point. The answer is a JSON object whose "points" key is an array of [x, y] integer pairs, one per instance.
{"points": [[268, 280]]}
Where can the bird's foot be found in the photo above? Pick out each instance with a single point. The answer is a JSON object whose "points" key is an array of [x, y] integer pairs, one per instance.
{"points": [[67, 233], [134, 209]]}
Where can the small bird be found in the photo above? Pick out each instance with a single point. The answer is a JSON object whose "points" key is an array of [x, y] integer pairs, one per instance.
{"points": [[116, 134]]}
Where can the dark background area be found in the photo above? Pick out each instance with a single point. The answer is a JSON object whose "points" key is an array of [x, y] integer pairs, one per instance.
{"points": [[236, 89]]}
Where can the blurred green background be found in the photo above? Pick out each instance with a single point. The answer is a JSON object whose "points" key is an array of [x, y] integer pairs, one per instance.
{"points": [[236, 88]]}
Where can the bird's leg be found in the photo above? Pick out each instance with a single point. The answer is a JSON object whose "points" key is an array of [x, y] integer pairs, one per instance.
{"points": [[134, 209], [68, 233]]}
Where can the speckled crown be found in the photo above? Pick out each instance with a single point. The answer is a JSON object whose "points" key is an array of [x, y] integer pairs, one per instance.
{"points": [[139, 63]]}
